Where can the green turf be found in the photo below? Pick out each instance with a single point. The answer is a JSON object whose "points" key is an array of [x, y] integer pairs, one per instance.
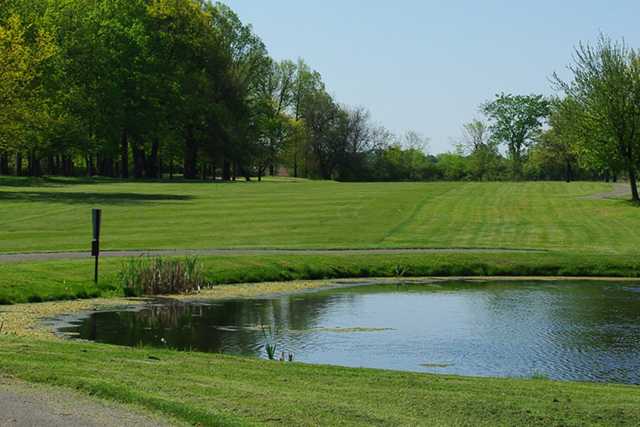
{"points": [[63, 280], [206, 389], [582, 237], [40, 215]]}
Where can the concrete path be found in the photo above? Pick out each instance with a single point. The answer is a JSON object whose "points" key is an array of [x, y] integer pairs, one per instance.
{"points": [[25, 405], [48, 256]]}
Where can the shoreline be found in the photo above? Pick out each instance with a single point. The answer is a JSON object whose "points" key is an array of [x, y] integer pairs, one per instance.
{"points": [[41, 320]]}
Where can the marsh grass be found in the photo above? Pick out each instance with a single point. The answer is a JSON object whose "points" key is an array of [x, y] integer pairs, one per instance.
{"points": [[161, 276]]}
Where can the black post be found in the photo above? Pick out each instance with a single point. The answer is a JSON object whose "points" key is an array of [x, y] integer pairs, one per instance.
{"points": [[95, 243]]}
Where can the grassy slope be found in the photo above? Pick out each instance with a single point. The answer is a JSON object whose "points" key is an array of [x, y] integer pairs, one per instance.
{"points": [[220, 390], [54, 215], [59, 280]]}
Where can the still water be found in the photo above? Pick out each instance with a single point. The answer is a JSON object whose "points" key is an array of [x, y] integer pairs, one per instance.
{"points": [[561, 330]]}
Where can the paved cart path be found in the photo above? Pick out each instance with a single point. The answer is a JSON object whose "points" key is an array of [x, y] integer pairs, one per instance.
{"points": [[23, 404], [49, 256], [620, 189]]}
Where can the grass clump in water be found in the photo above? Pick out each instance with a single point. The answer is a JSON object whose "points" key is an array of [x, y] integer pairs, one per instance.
{"points": [[161, 276]]}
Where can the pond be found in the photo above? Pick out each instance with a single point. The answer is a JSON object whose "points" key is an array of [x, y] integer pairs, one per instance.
{"points": [[586, 331]]}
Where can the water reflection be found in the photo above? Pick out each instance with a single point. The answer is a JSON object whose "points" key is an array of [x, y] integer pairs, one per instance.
{"points": [[578, 330]]}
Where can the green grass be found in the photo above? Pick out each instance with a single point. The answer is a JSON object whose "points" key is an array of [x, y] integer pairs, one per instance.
{"points": [[62, 280], [41, 215], [581, 236], [212, 390]]}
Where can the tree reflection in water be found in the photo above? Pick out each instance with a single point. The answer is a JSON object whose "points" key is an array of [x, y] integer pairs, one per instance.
{"points": [[564, 330]]}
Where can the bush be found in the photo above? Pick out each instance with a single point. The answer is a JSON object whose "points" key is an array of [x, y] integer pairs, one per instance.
{"points": [[160, 276]]}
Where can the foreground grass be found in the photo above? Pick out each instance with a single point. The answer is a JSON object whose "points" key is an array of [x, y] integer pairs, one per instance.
{"points": [[64, 280], [40, 215], [207, 389]]}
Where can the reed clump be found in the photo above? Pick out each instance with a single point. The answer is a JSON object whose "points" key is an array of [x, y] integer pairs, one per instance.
{"points": [[161, 276]]}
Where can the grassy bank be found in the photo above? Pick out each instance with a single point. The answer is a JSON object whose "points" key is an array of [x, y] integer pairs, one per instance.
{"points": [[209, 389], [62, 280], [41, 215]]}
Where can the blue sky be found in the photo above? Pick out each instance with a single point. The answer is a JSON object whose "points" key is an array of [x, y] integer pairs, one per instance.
{"points": [[428, 65]]}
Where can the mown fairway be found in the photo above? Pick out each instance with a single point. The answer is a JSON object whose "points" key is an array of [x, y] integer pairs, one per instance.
{"points": [[55, 215]]}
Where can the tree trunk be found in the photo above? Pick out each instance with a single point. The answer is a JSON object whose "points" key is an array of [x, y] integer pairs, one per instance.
{"points": [[634, 185], [295, 165], [153, 164], [33, 164], [190, 156], [51, 165], [18, 168], [124, 155], [138, 161], [226, 170], [171, 169], [89, 160], [4, 163], [106, 167], [244, 172], [58, 163], [67, 166], [569, 171]]}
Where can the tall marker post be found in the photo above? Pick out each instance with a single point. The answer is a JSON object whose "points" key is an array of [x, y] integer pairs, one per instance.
{"points": [[96, 217]]}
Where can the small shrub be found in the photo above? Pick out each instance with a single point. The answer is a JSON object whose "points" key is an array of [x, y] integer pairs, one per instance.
{"points": [[160, 276]]}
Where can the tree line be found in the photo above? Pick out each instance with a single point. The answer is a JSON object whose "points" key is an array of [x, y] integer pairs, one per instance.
{"points": [[145, 87], [153, 88]]}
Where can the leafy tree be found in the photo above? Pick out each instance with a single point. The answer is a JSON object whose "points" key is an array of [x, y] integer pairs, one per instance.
{"points": [[606, 90], [516, 120], [482, 150], [307, 84], [22, 108], [560, 143], [453, 166]]}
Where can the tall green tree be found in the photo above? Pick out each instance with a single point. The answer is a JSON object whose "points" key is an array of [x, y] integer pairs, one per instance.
{"points": [[22, 106], [606, 89], [482, 150], [516, 121]]}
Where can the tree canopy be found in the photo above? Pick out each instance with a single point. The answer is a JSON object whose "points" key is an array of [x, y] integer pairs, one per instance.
{"points": [[149, 88]]}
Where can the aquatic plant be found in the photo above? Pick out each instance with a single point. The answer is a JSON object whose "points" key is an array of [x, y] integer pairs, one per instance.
{"points": [[161, 276], [271, 349], [270, 345]]}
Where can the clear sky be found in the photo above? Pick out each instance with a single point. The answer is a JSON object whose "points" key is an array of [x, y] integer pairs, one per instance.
{"points": [[428, 65]]}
